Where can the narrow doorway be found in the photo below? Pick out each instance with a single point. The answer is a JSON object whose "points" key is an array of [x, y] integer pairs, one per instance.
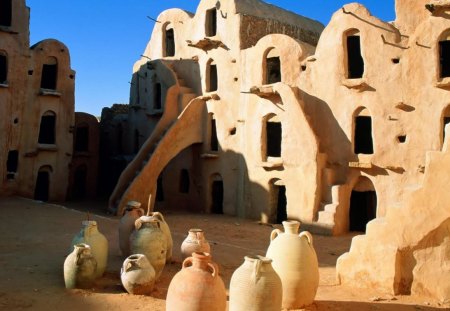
{"points": [[159, 190], [217, 195], [281, 204], [355, 62], [214, 142], [79, 185], [363, 208], [42, 186], [363, 135]]}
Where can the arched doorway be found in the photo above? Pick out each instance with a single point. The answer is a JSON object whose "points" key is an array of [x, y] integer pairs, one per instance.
{"points": [[41, 190], [79, 184], [216, 194], [363, 204], [277, 202]]}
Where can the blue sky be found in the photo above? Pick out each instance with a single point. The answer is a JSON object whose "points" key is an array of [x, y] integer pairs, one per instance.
{"points": [[106, 37]]}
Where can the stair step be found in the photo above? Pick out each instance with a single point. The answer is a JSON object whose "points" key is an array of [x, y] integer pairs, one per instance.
{"points": [[376, 226], [326, 218]]}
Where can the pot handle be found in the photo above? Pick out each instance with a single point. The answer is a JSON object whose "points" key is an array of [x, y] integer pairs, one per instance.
{"points": [[128, 266], [187, 263], [141, 212], [138, 224], [158, 216], [215, 269], [274, 234], [256, 272], [308, 236]]}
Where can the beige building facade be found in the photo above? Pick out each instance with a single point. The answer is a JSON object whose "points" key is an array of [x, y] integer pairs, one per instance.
{"points": [[37, 108]]}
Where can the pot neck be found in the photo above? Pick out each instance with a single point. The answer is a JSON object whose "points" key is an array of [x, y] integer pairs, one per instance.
{"points": [[291, 226], [197, 234], [201, 260]]}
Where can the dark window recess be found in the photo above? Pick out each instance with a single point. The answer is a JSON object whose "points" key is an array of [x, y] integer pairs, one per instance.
{"points": [[159, 190], [281, 205], [232, 131], [444, 58], [214, 143], [3, 69], [170, 43], [157, 98], [184, 181], [12, 163], [5, 13], [363, 208], [401, 138], [212, 78], [82, 139], [363, 135], [211, 23], [47, 130], [446, 121], [217, 197], [273, 143], [80, 179], [49, 76], [355, 61], [42, 186], [396, 60], [273, 70]]}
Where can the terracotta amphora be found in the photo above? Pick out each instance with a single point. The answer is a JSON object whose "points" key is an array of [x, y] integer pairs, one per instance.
{"points": [[90, 235], [197, 287], [148, 239], [194, 242], [80, 267], [295, 261], [126, 225], [255, 286], [137, 275], [166, 230]]}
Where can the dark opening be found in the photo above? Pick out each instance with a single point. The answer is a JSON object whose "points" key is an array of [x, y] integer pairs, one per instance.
{"points": [[12, 163], [5, 13], [281, 204], [159, 190], [214, 141], [82, 139], [42, 186], [273, 70], [211, 23], [212, 78], [47, 130], [136, 141], [232, 131], [3, 69], [157, 98], [446, 121], [354, 58], [79, 185], [401, 138], [444, 55], [170, 43], [363, 135], [49, 75], [217, 197], [363, 208], [273, 143], [184, 181], [396, 60], [120, 139]]}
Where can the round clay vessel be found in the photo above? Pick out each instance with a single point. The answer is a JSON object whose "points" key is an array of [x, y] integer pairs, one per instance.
{"points": [[137, 275], [148, 239], [295, 261], [255, 286], [194, 242], [197, 287], [126, 225], [80, 267], [90, 235], [166, 230]]}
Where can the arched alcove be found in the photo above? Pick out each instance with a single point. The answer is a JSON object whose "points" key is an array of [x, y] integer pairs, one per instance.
{"points": [[362, 132], [444, 54], [271, 138], [82, 138], [363, 204], [277, 201], [42, 187], [211, 76], [49, 76], [47, 128], [168, 40], [354, 60], [217, 194], [271, 66]]}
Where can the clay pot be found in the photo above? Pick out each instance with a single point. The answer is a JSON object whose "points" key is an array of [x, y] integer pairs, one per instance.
{"points": [[126, 225], [197, 287], [148, 239], [137, 275], [166, 230], [90, 235], [194, 242], [295, 261], [255, 286], [80, 267]]}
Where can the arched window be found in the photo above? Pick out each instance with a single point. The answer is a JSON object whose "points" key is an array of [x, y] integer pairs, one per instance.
{"points": [[444, 55], [216, 194], [47, 128], [211, 76], [169, 41], [271, 137], [49, 75], [3, 67], [355, 61], [5, 13], [82, 138], [277, 201], [363, 204], [363, 142], [42, 187], [211, 23], [272, 67]]}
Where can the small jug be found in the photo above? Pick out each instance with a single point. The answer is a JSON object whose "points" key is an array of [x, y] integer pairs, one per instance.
{"points": [[80, 267], [194, 242], [137, 275]]}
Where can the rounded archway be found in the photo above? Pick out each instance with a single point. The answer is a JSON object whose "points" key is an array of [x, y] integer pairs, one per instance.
{"points": [[216, 192], [277, 201], [363, 204]]}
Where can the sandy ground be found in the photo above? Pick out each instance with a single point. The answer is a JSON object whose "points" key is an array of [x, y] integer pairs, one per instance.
{"points": [[35, 239]]}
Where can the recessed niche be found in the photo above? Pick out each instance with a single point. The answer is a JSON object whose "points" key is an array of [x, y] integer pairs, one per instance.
{"points": [[401, 139], [232, 131], [395, 60]]}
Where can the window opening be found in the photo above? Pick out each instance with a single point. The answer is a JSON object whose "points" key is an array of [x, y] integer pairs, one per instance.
{"points": [[47, 129], [281, 204], [273, 70], [41, 189], [211, 23], [401, 139], [214, 142], [157, 98], [11, 164], [5, 13], [213, 81], [217, 196], [170, 43], [444, 58], [82, 139], [159, 190], [273, 139], [3, 68], [363, 135], [49, 75], [184, 181], [363, 207], [355, 61]]}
